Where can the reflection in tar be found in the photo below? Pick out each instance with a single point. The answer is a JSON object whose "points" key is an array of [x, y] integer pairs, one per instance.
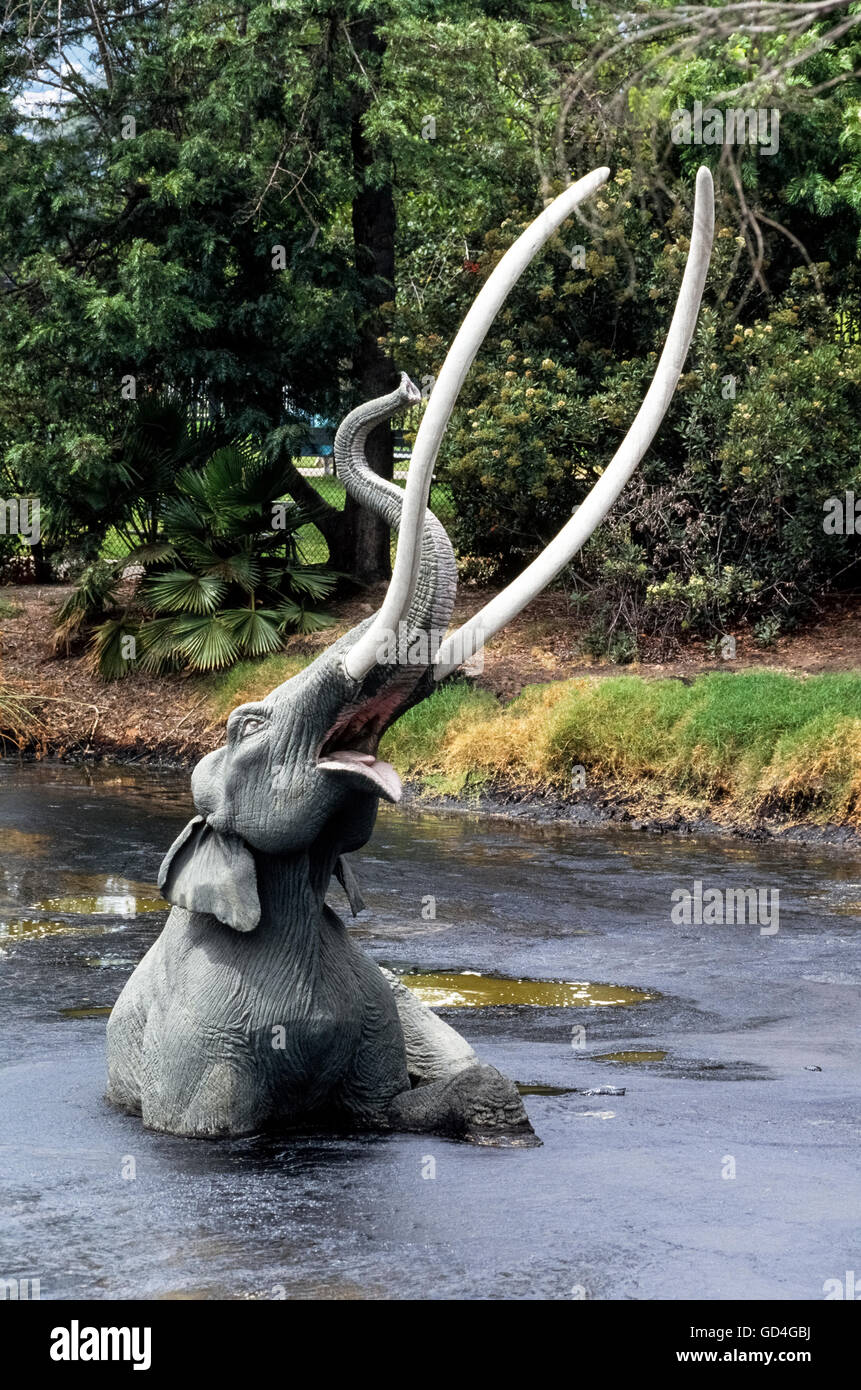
{"points": [[714, 1038]]}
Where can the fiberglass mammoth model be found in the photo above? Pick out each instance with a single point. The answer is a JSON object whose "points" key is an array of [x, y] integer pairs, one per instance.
{"points": [[254, 1008]]}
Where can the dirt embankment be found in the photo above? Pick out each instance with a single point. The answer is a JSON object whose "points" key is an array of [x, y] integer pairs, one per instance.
{"points": [[76, 714], [178, 718], [653, 815]]}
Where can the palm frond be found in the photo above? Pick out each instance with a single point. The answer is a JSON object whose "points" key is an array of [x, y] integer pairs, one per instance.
{"points": [[184, 520], [148, 554], [293, 616], [181, 591], [158, 650], [239, 568], [205, 642], [255, 630], [308, 579], [94, 593], [108, 650], [198, 515]]}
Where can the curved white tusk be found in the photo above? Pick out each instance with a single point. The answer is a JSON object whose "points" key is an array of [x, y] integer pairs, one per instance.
{"points": [[363, 655], [467, 640]]}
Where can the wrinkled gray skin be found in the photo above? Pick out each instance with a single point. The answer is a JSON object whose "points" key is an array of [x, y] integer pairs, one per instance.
{"points": [[254, 1009]]}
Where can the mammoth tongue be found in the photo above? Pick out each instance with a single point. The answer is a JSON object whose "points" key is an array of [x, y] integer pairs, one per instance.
{"points": [[383, 776]]}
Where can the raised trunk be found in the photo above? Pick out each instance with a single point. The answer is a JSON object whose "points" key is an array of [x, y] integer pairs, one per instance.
{"points": [[433, 600]]}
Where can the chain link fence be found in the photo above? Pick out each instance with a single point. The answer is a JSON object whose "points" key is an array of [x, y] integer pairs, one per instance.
{"points": [[313, 548], [319, 472], [318, 466]]}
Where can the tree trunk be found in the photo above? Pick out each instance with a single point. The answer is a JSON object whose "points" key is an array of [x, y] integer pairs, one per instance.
{"points": [[42, 572], [366, 537]]}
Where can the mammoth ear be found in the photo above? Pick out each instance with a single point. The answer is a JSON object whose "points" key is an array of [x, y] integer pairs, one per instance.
{"points": [[205, 871]]}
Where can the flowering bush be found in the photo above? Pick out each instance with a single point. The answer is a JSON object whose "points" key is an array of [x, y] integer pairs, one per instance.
{"points": [[724, 519]]}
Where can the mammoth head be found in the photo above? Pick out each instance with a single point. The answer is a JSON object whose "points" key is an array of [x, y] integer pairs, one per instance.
{"points": [[300, 769], [298, 772], [304, 760]]}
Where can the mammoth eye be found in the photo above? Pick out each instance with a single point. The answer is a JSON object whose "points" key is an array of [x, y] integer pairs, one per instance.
{"points": [[251, 724]]}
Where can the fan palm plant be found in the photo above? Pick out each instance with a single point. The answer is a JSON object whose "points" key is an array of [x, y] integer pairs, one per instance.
{"points": [[237, 582], [224, 577], [95, 595]]}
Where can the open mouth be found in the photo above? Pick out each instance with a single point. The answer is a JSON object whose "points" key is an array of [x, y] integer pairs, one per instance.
{"points": [[351, 747], [379, 774]]}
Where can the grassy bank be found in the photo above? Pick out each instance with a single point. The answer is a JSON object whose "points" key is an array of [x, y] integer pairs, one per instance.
{"points": [[749, 744], [734, 746], [248, 681]]}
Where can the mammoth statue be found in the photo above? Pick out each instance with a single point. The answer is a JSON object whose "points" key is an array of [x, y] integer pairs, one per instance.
{"points": [[254, 1008]]}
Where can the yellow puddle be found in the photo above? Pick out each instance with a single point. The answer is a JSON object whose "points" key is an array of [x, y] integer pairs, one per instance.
{"points": [[25, 929], [102, 905], [90, 1012], [469, 989], [99, 895], [630, 1056], [120, 899]]}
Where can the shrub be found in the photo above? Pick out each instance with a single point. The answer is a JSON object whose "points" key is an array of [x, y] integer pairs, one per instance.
{"points": [[723, 522], [223, 581]]}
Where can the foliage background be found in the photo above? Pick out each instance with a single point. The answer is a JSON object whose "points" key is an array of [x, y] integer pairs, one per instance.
{"points": [[152, 255]]}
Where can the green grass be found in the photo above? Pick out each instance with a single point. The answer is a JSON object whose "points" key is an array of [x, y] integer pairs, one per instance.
{"points": [[415, 742], [249, 680], [754, 742]]}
